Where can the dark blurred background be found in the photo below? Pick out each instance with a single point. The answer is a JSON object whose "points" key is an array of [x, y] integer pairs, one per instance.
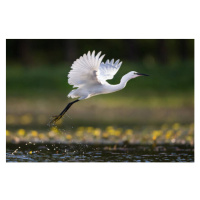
{"points": [[34, 53], [37, 85]]}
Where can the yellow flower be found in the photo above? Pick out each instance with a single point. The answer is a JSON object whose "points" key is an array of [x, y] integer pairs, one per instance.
{"points": [[109, 127], [105, 135], [54, 129], [21, 132], [68, 137], [79, 133], [30, 152], [176, 126], [34, 133], [90, 129], [129, 132], [110, 130], [7, 133], [117, 133], [157, 133], [154, 137], [41, 135], [169, 134], [189, 138], [97, 132]]}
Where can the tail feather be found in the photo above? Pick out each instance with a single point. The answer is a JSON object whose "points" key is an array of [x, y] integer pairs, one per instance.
{"points": [[72, 94]]}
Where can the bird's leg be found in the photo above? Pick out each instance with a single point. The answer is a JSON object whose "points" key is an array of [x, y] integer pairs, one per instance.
{"points": [[57, 117]]}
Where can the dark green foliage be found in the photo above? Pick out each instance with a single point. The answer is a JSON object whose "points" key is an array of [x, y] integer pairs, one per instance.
{"points": [[50, 80]]}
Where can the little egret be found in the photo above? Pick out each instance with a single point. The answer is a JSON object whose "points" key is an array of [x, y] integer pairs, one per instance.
{"points": [[89, 74]]}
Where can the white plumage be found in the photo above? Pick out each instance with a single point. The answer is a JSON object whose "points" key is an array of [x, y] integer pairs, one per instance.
{"points": [[89, 74]]}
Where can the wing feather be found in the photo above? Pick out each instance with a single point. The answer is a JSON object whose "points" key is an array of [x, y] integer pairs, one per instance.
{"points": [[83, 70], [107, 70], [89, 69]]}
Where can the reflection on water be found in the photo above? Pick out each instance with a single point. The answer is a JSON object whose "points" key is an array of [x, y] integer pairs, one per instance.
{"points": [[56, 152]]}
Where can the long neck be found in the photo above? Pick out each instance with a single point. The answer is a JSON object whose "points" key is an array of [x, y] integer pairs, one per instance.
{"points": [[123, 82]]}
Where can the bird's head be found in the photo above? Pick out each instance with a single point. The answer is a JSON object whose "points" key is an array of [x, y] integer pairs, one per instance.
{"points": [[134, 74]]}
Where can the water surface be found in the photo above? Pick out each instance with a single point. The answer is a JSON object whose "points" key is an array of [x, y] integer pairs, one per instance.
{"points": [[60, 152]]}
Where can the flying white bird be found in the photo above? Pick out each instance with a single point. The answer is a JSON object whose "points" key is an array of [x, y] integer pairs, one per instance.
{"points": [[89, 74]]}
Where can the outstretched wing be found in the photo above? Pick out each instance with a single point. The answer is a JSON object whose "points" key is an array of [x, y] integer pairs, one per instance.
{"points": [[107, 70], [84, 70]]}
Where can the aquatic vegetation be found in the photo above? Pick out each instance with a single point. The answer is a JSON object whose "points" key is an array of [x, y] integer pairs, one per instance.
{"points": [[21, 132], [176, 126], [175, 133], [34, 133], [7, 133], [68, 137]]}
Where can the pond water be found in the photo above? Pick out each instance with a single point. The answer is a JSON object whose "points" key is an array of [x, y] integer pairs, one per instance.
{"points": [[60, 152]]}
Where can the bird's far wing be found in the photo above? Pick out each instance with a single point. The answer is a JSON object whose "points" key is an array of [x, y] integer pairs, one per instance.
{"points": [[84, 70], [107, 70]]}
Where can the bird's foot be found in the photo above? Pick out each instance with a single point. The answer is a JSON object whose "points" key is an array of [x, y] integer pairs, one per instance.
{"points": [[54, 120]]}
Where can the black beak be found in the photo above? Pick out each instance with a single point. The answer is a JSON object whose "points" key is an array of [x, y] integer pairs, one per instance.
{"points": [[142, 74]]}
